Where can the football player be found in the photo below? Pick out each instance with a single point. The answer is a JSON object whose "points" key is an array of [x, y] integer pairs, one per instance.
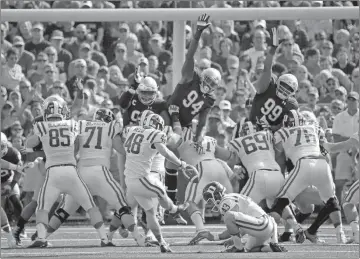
{"points": [[275, 96], [209, 169], [141, 144], [58, 136], [193, 96], [351, 200], [94, 146], [299, 141], [242, 216]]}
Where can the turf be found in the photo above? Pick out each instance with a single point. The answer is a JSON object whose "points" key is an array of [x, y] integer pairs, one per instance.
{"points": [[82, 242]]}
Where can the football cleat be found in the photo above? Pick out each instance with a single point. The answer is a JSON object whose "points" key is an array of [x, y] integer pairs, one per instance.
{"points": [[106, 244], [277, 248], [151, 242], [341, 238], [165, 248], [39, 243], [34, 236], [286, 237], [300, 236], [313, 238]]}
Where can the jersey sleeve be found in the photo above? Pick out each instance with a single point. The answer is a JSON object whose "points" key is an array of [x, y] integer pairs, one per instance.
{"points": [[82, 124], [187, 134], [74, 127], [355, 136], [114, 129], [157, 137], [279, 136], [234, 146], [39, 129], [124, 133]]}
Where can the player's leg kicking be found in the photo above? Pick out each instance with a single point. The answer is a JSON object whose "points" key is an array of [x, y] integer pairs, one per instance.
{"points": [[209, 170], [350, 203], [146, 191], [65, 179]]}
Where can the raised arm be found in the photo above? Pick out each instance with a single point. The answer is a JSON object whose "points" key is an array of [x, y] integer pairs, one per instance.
{"points": [[263, 83], [187, 70]]}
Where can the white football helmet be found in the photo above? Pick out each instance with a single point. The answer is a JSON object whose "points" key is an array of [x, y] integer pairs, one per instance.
{"points": [[247, 128], [103, 114], [143, 115], [147, 90], [54, 109], [57, 98], [154, 121], [4, 144], [287, 85], [210, 79]]}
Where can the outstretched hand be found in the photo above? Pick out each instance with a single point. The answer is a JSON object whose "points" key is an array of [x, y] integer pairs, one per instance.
{"points": [[203, 22]]}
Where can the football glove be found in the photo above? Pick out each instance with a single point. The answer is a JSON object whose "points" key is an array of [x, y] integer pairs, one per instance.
{"points": [[173, 110], [203, 22], [190, 172]]}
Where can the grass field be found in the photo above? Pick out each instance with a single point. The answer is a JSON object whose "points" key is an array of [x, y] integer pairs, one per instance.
{"points": [[82, 242]]}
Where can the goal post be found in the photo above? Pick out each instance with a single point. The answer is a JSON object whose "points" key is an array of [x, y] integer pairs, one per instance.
{"points": [[179, 16]]}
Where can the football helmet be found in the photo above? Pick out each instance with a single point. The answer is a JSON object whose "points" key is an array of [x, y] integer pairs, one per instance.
{"points": [[154, 121], [103, 114], [214, 192], [210, 79], [144, 114], [4, 144], [147, 90], [57, 98], [287, 85], [54, 109], [293, 118], [247, 128]]}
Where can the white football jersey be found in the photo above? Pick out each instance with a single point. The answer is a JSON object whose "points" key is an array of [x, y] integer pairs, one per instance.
{"points": [[158, 164], [95, 140], [256, 151], [188, 152], [299, 142], [57, 138], [240, 203], [140, 150]]}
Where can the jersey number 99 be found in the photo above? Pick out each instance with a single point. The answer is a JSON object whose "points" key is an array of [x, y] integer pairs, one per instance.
{"points": [[59, 137], [190, 100], [271, 110], [133, 143]]}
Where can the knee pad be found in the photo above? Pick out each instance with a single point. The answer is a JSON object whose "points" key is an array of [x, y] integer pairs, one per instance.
{"points": [[61, 214], [332, 205], [280, 205]]}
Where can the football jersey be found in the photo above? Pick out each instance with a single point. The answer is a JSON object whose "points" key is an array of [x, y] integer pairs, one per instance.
{"points": [[355, 136], [38, 150], [256, 151], [12, 156], [140, 150], [188, 152], [240, 203], [158, 164], [299, 142], [58, 139], [190, 100], [132, 113], [95, 141], [268, 108]]}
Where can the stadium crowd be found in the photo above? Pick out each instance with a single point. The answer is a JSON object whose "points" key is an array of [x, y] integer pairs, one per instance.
{"points": [[98, 60]]}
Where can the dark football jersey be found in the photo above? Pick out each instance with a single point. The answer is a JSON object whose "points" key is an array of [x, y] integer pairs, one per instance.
{"points": [[191, 100], [132, 113], [269, 108], [12, 156]]}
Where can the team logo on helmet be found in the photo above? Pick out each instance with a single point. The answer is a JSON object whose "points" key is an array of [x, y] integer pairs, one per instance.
{"points": [[293, 119], [213, 193], [154, 121], [105, 115]]}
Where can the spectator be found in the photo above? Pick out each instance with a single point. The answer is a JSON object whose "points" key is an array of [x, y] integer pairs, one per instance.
{"points": [[302, 94], [355, 78], [27, 58], [341, 94], [326, 49], [206, 53], [38, 43], [225, 108], [64, 57], [6, 119], [342, 40], [154, 69], [47, 83], [346, 124], [121, 61], [164, 56], [259, 47], [132, 45], [53, 57], [336, 107], [343, 63], [229, 32], [38, 72], [108, 87], [312, 61], [11, 72], [78, 77], [224, 55], [88, 53], [289, 54], [5, 45], [302, 73], [312, 100], [81, 34]]}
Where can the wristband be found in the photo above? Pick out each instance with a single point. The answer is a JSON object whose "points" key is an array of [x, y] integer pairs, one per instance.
{"points": [[175, 118]]}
